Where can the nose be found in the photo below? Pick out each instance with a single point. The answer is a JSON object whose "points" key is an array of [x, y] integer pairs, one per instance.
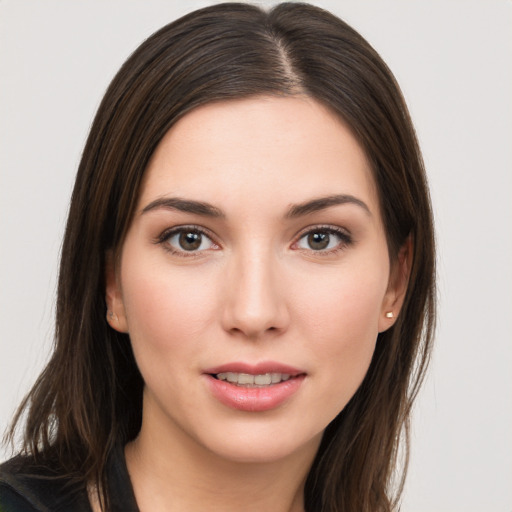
{"points": [[255, 304]]}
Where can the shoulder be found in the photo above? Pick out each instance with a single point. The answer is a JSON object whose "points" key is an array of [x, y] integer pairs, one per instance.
{"points": [[12, 501], [26, 487], [16, 493]]}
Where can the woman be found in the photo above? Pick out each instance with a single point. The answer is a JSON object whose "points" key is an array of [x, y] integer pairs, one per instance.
{"points": [[246, 292]]}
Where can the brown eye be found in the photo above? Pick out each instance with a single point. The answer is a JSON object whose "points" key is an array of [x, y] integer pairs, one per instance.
{"points": [[190, 240], [187, 240], [318, 241], [324, 240]]}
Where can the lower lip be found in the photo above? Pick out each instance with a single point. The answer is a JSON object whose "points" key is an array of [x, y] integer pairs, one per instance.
{"points": [[254, 399]]}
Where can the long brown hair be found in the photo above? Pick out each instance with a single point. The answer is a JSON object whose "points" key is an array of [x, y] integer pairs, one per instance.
{"points": [[89, 397]]}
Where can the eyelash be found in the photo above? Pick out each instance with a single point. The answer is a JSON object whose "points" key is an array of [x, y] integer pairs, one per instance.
{"points": [[345, 239], [163, 240]]}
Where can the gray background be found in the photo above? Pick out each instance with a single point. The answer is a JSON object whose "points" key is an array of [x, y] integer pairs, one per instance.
{"points": [[453, 59]]}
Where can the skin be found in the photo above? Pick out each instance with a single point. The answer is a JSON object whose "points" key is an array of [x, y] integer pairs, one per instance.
{"points": [[255, 290]]}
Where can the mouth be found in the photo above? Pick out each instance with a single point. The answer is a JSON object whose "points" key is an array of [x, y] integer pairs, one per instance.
{"points": [[248, 380], [266, 373], [254, 388]]}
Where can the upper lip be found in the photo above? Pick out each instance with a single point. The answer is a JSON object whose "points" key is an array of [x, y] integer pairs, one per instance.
{"points": [[255, 369]]}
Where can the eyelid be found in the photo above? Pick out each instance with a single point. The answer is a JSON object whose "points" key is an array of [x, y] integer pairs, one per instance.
{"points": [[169, 232], [344, 235]]}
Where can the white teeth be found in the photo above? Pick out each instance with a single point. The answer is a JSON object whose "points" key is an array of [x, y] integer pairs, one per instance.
{"points": [[245, 378], [248, 380], [263, 380], [276, 377]]}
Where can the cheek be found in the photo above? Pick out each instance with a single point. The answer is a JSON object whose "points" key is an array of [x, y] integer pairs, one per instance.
{"points": [[340, 316], [165, 310], [348, 300]]}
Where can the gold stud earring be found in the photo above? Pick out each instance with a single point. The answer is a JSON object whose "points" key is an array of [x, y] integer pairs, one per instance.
{"points": [[389, 314]]}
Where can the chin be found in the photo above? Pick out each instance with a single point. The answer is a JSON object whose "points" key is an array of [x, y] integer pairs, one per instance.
{"points": [[263, 447]]}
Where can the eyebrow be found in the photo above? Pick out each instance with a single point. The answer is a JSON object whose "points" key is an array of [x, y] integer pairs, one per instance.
{"points": [[294, 211], [184, 205], [321, 203]]}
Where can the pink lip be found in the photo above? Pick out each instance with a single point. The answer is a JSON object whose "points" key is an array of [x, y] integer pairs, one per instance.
{"points": [[255, 369], [257, 399]]}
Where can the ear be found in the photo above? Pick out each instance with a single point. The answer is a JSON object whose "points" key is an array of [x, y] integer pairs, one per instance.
{"points": [[397, 286], [116, 316]]}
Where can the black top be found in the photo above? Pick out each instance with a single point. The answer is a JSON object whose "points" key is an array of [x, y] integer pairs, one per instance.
{"points": [[27, 488]]}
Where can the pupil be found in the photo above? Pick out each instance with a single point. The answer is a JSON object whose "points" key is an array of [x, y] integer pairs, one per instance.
{"points": [[190, 241], [318, 241]]}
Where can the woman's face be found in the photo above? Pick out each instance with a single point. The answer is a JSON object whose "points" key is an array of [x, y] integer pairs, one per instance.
{"points": [[254, 278]]}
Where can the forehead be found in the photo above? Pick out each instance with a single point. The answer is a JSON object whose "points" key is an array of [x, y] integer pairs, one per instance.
{"points": [[259, 150]]}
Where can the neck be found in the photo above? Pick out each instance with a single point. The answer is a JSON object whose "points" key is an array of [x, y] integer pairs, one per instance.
{"points": [[173, 473]]}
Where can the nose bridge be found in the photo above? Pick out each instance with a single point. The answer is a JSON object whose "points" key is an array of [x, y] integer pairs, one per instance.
{"points": [[256, 303]]}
